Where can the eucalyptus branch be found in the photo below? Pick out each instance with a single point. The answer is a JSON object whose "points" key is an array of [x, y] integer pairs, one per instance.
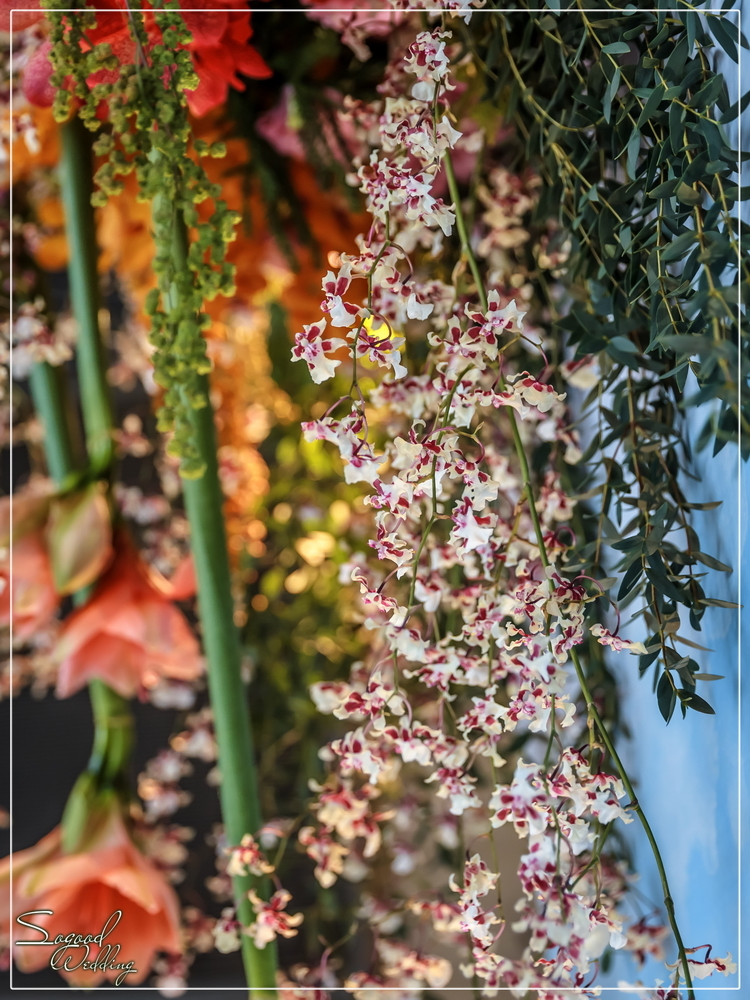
{"points": [[649, 305]]}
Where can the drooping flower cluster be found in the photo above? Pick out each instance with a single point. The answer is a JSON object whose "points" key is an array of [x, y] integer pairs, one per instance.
{"points": [[473, 616]]}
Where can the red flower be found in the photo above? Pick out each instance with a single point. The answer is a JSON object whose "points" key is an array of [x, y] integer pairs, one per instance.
{"points": [[218, 56], [219, 48]]}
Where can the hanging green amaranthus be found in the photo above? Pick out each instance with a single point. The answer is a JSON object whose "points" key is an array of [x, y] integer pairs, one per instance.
{"points": [[149, 134]]}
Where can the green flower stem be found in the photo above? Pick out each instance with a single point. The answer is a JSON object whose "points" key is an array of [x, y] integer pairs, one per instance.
{"points": [[593, 712], [113, 721], [47, 392], [239, 797], [113, 733], [76, 186]]}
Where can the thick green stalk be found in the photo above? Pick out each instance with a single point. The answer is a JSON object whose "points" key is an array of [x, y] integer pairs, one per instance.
{"points": [[76, 187], [585, 690], [240, 804], [113, 733], [239, 787], [113, 720], [46, 391]]}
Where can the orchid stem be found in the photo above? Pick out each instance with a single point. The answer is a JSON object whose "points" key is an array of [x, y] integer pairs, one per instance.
{"points": [[593, 712], [635, 805], [240, 803]]}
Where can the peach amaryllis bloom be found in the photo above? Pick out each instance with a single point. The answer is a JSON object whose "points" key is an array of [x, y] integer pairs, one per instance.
{"points": [[130, 634], [31, 602], [32, 599], [84, 889]]}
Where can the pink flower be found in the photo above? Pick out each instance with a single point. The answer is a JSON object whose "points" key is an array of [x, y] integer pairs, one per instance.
{"points": [[616, 642], [21, 18], [360, 20], [312, 347], [277, 128], [470, 531], [271, 919], [478, 880], [326, 852], [247, 858]]}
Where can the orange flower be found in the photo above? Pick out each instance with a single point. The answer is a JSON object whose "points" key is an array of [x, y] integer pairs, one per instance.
{"points": [[32, 600], [130, 634], [84, 890]]}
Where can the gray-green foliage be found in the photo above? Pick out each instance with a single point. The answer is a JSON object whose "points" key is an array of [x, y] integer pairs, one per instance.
{"points": [[622, 114]]}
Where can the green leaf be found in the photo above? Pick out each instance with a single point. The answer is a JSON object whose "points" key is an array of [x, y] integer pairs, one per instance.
{"points": [[708, 93], [631, 578], [633, 149], [679, 247], [711, 562], [676, 117], [693, 645], [616, 48], [666, 697], [731, 113], [623, 344], [651, 105], [688, 195], [692, 25], [614, 83], [694, 701], [665, 190], [726, 34], [662, 585]]}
